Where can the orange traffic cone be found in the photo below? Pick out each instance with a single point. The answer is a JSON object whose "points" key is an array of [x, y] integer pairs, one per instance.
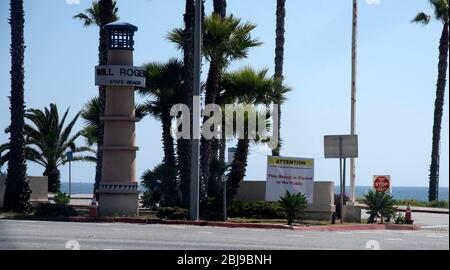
{"points": [[408, 215], [94, 207]]}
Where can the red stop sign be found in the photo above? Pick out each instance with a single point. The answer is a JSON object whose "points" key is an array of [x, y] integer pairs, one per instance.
{"points": [[382, 183]]}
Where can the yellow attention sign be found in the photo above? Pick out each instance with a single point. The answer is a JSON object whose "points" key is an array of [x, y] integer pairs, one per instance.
{"points": [[290, 162]]}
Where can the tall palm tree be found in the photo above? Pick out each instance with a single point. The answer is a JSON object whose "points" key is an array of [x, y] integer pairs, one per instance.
{"points": [[248, 86], [279, 60], [441, 14], [184, 145], [17, 191], [164, 87], [224, 40], [100, 13], [47, 141]]}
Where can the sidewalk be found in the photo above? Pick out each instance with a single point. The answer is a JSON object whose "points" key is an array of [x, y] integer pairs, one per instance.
{"points": [[345, 227], [402, 208]]}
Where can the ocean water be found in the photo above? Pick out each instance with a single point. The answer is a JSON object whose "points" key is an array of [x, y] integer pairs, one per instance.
{"points": [[399, 193]]}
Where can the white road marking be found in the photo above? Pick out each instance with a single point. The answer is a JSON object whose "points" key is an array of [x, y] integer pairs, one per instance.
{"points": [[176, 226], [295, 235], [435, 236], [344, 233], [257, 230], [433, 227], [26, 221], [393, 239]]}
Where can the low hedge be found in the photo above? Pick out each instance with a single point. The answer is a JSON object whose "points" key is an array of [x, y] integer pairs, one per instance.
{"points": [[256, 209], [174, 213], [54, 210]]}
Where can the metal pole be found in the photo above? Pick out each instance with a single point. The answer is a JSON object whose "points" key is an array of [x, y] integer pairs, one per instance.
{"points": [[70, 178], [224, 198], [344, 178], [341, 181], [353, 101], [195, 162]]}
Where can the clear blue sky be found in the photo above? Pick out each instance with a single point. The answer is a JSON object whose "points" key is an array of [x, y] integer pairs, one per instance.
{"points": [[397, 71]]}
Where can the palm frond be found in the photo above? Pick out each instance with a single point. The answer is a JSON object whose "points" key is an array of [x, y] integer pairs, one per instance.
{"points": [[422, 18]]}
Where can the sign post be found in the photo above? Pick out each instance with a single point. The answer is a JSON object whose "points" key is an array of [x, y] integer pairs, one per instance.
{"points": [[342, 147], [70, 158], [382, 183], [231, 152], [194, 208]]}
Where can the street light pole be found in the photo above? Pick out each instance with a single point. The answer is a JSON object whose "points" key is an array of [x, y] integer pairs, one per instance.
{"points": [[353, 98], [195, 161]]}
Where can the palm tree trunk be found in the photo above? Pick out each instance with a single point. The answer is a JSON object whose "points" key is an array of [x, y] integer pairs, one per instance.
{"points": [[168, 146], [220, 8], [54, 179], [184, 145], [106, 16], [433, 193], [212, 84], [238, 167], [17, 191], [279, 60]]}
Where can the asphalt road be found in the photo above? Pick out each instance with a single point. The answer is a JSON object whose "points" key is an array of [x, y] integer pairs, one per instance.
{"points": [[16, 234]]}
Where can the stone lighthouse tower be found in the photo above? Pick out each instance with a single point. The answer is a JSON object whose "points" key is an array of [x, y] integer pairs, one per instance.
{"points": [[118, 190]]}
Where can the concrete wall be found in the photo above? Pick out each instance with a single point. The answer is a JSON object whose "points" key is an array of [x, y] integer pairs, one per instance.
{"points": [[322, 207], [252, 191], [38, 186]]}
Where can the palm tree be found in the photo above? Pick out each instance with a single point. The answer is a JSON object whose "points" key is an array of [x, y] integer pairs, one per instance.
{"points": [[159, 186], [224, 40], [279, 61], [100, 13], [380, 205], [441, 14], [294, 205], [17, 191], [47, 141], [164, 87], [248, 86], [184, 145]]}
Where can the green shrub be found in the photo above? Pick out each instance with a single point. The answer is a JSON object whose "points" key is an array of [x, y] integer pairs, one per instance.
{"points": [[293, 204], [61, 198], [54, 210], [175, 213], [438, 204], [381, 205], [263, 210], [399, 218], [235, 209], [256, 210], [214, 209]]}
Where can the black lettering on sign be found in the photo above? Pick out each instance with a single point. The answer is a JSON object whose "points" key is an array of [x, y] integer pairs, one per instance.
{"points": [[101, 72]]}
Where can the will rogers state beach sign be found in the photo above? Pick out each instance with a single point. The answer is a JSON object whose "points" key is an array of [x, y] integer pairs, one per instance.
{"points": [[114, 75]]}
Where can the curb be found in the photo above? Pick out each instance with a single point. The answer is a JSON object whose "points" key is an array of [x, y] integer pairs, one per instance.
{"points": [[136, 220]]}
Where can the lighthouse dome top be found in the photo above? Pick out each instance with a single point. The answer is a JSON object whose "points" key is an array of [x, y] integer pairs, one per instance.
{"points": [[120, 26], [120, 35]]}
